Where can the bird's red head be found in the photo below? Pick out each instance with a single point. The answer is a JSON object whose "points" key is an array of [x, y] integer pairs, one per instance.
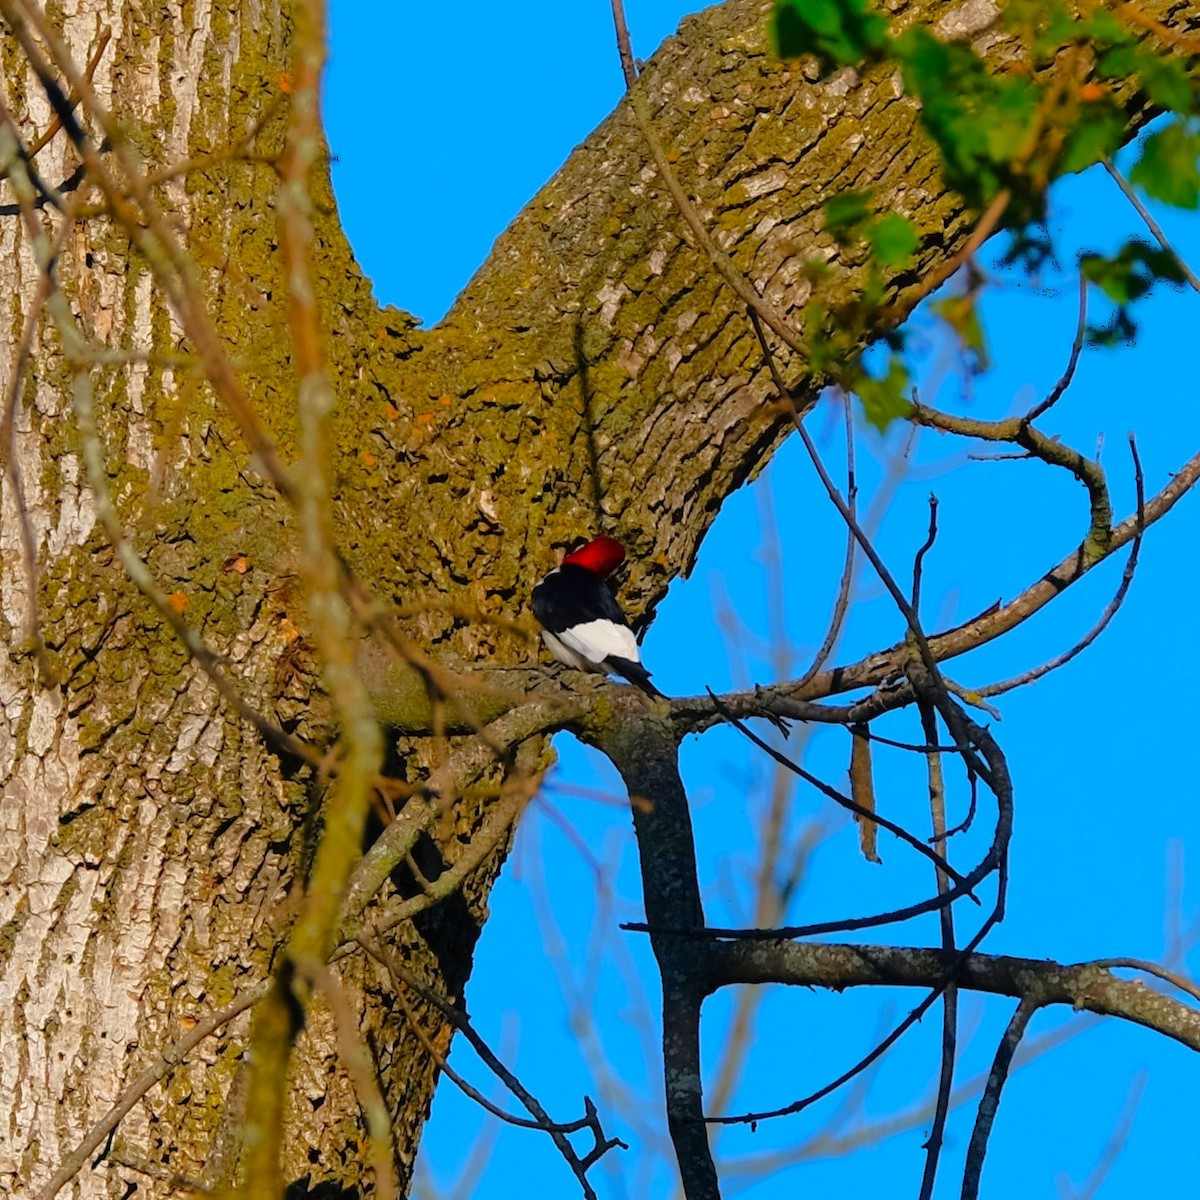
{"points": [[602, 556]]}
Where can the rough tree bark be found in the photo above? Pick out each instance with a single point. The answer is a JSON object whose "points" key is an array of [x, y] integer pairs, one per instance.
{"points": [[594, 375]]}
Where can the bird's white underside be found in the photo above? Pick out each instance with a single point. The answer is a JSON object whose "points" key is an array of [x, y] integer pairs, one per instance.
{"points": [[585, 647]]}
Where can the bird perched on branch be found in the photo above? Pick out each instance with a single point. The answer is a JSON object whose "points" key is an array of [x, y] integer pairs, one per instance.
{"points": [[582, 623]]}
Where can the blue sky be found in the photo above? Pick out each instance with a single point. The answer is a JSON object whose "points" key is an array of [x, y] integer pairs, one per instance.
{"points": [[483, 103]]}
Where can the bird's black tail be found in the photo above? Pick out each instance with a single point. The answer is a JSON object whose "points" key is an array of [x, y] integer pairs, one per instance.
{"points": [[636, 674]]}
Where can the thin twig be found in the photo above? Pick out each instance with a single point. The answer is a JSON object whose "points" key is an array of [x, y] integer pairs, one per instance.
{"points": [[1099, 538], [541, 1119], [1150, 223], [844, 925], [360, 1067], [989, 1102], [825, 1144], [836, 498], [1170, 37], [360, 741], [72, 102], [133, 205], [131, 201], [12, 464], [836, 796], [78, 353], [937, 811], [468, 762], [931, 282], [926, 546], [1140, 964], [1110, 611], [1064, 381], [880, 1048], [842, 604], [865, 731], [742, 287]]}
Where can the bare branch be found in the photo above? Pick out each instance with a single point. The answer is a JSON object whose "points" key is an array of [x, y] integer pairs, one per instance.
{"points": [[837, 797], [989, 1102], [926, 546], [1097, 542], [541, 1119], [1085, 987], [1110, 611], [1064, 382], [646, 754], [937, 810], [842, 603], [461, 768], [955, 965]]}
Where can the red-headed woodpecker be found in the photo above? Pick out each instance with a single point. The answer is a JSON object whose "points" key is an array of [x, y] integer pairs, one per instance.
{"points": [[582, 623]]}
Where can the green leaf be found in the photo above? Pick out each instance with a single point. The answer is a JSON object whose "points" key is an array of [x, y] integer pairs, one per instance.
{"points": [[845, 212], [1168, 83], [1123, 279], [841, 33], [1119, 63], [1165, 79], [1120, 331], [1132, 272], [1058, 27], [1098, 131], [961, 314], [1167, 169], [1006, 114], [979, 121], [1104, 28], [884, 400], [1031, 249], [893, 239]]}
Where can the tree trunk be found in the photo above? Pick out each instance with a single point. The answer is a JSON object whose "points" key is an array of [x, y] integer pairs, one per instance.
{"points": [[595, 375]]}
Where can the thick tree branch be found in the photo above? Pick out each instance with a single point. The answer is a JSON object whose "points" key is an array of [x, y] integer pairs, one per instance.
{"points": [[1085, 986], [646, 754]]}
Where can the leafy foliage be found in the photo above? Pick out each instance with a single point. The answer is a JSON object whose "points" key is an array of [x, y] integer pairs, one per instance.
{"points": [[849, 218], [1132, 272], [983, 124], [884, 400], [839, 34], [1096, 135], [1167, 169], [1003, 137], [894, 239], [1127, 276]]}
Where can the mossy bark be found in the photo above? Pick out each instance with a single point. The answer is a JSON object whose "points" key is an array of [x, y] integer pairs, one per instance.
{"points": [[594, 375]]}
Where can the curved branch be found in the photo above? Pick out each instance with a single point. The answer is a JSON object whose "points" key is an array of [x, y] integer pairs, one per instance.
{"points": [[876, 668], [1020, 432], [1110, 611]]}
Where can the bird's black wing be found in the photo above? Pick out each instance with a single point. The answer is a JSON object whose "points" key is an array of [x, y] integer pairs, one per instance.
{"points": [[573, 596]]}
